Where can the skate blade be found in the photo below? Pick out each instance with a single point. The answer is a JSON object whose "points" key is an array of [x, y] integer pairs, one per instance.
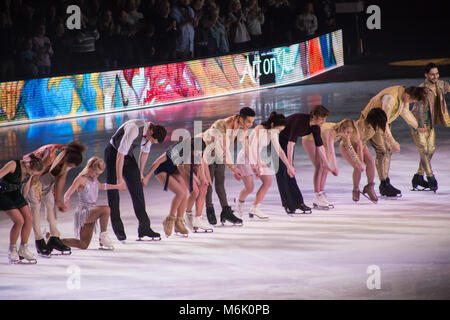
{"points": [[424, 189], [47, 256], [365, 195], [251, 216], [25, 261], [62, 253], [321, 207], [390, 197], [103, 248], [182, 235], [203, 230], [149, 239], [331, 206], [238, 224], [14, 261]]}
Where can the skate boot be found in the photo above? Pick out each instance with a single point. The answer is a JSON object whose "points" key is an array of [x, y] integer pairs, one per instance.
{"points": [[25, 255], [227, 215], [180, 228], [168, 224], [105, 242], [55, 243], [211, 215], [13, 256], [319, 202], [239, 207], [324, 197], [149, 235], [256, 211], [200, 225], [418, 180], [398, 192], [42, 249], [369, 192], [304, 208], [188, 220], [355, 194], [386, 190], [432, 183]]}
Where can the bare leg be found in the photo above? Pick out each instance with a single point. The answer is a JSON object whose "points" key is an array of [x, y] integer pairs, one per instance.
{"points": [[262, 191], [310, 148], [174, 186], [18, 222], [27, 225], [356, 172], [86, 233], [248, 188], [200, 202], [370, 165]]}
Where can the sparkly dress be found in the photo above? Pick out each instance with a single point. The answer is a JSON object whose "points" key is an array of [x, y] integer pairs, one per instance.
{"points": [[87, 200]]}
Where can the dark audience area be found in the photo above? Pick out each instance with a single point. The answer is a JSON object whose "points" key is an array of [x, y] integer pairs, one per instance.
{"points": [[119, 34]]}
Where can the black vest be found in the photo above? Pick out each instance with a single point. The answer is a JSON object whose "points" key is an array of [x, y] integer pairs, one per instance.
{"points": [[117, 137]]}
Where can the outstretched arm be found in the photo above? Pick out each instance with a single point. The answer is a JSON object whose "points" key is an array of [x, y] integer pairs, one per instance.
{"points": [[153, 167], [59, 187], [75, 184], [10, 167]]}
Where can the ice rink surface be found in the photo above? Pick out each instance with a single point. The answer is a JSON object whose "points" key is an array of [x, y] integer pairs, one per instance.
{"points": [[325, 255]]}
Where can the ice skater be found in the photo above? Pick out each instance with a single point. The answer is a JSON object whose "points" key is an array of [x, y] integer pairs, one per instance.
{"points": [[330, 133], [428, 114], [362, 159], [47, 188], [88, 212], [395, 102], [229, 130], [122, 165], [250, 162], [12, 176], [172, 171], [299, 125]]}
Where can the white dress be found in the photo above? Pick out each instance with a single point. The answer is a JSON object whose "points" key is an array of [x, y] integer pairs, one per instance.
{"points": [[88, 199]]}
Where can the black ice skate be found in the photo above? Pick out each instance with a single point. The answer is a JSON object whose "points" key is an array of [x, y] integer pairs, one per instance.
{"points": [[211, 215], [42, 249], [227, 215], [149, 235], [302, 207], [419, 181], [387, 191], [397, 191], [432, 183], [55, 243]]}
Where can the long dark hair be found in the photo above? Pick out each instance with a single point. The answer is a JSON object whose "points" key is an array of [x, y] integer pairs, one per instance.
{"points": [[377, 118], [417, 93], [277, 119]]}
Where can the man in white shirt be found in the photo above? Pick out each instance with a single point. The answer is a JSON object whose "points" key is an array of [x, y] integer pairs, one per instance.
{"points": [[122, 165]]}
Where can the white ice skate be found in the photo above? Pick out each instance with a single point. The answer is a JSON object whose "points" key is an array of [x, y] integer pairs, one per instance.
{"points": [[324, 197], [188, 220], [13, 256], [200, 226], [239, 207], [319, 202], [105, 242], [256, 211], [25, 255]]}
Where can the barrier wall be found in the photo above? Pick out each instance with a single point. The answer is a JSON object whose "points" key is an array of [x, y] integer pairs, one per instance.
{"points": [[95, 93]]}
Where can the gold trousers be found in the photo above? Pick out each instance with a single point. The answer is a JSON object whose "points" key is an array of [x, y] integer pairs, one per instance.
{"points": [[383, 153], [425, 144]]}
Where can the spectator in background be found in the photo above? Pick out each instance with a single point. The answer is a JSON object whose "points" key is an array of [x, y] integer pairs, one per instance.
{"points": [[255, 18], [27, 60], [283, 21], [185, 18], [134, 16], [124, 40], [218, 42], [107, 48], [269, 28], [7, 48], [43, 48], [61, 45], [326, 15], [201, 36], [239, 36], [147, 47], [84, 56], [166, 32], [306, 23]]}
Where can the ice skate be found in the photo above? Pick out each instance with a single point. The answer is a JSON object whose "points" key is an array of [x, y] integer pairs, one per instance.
{"points": [[168, 224], [324, 197], [256, 211], [201, 226], [432, 183], [227, 215], [13, 256], [319, 202], [419, 181], [369, 192], [149, 235], [105, 242], [302, 207], [188, 220], [55, 243], [180, 228], [387, 191], [25, 255], [211, 215], [42, 249], [239, 207], [355, 194], [394, 189]]}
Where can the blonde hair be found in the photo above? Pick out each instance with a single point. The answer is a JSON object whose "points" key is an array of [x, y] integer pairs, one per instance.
{"points": [[94, 163], [344, 124]]}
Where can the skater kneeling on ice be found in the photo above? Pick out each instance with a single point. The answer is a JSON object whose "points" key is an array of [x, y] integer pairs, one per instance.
{"points": [[88, 212], [181, 174], [12, 176]]}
